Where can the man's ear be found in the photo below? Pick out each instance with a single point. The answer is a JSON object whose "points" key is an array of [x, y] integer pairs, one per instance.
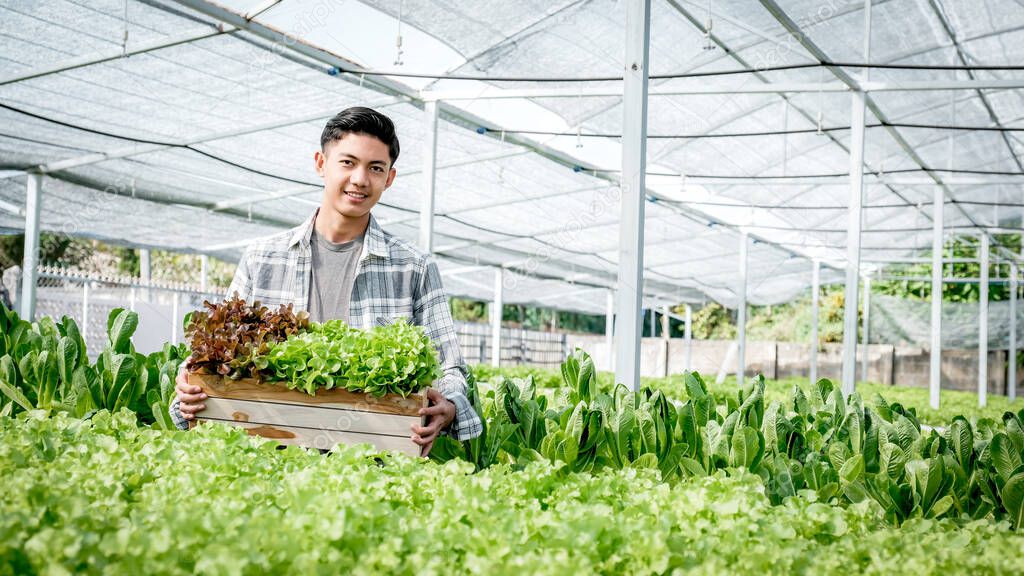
{"points": [[318, 162], [391, 178]]}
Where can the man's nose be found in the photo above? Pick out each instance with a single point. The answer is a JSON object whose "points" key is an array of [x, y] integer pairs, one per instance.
{"points": [[359, 176]]}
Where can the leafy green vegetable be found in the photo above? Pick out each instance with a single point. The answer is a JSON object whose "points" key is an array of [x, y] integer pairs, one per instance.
{"points": [[816, 444], [105, 496], [395, 359], [52, 371]]}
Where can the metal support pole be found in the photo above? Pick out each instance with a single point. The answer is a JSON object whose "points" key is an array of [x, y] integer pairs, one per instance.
{"points": [[609, 329], [689, 338], [85, 309], [666, 336], [866, 72], [429, 178], [1011, 387], [741, 313], [855, 219], [496, 310], [174, 317], [935, 366], [815, 302], [1013, 357], [204, 273], [145, 272], [983, 325], [853, 244], [634, 160], [654, 326], [29, 272], [866, 329]]}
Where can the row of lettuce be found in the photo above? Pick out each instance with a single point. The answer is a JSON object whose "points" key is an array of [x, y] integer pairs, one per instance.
{"points": [[815, 444], [953, 402], [45, 365], [108, 496], [820, 445]]}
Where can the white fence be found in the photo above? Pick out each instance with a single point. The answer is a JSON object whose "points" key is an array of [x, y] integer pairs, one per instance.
{"points": [[518, 346], [162, 307], [90, 298]]}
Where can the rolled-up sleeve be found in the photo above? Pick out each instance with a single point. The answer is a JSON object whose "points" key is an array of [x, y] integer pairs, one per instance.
{"points": [[430, 310], [176, 416]]}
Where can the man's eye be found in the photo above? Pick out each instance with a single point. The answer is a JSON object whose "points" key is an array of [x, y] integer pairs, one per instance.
{"points": [[378, 169]]}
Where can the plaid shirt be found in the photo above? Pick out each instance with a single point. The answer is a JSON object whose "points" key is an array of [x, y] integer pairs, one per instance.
{"points": [[395, 280]]}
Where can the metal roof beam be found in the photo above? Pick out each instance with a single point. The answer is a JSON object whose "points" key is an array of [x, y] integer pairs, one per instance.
{"points": [[351, 73], [496, 93], [944, 85], [509, 38], [277, 195], [261, 8], [780, 15], [838, 12], [155, 197], [137, 149], [763, 78], [831, 181], [567, 228], [295, 191], [961, 55], [492, 205], [116, 54]]}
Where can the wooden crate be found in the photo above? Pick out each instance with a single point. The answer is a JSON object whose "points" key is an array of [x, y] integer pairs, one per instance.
{"points": [[295, 418]]}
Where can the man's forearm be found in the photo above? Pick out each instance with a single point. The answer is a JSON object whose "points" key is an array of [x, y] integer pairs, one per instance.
{"points": [[467, 423]]}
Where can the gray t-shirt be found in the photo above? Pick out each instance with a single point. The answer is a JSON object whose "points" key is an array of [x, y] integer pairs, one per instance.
{"points": [[335, 267]]}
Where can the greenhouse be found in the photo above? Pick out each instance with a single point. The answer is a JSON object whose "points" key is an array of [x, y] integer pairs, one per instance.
{"points": [[849, 172]]}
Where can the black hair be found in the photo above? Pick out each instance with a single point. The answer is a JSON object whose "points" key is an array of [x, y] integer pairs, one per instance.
{"points": [[361, 120]]}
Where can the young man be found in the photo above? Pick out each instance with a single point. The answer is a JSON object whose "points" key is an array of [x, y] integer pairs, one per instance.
{"points": [[341, 264]]}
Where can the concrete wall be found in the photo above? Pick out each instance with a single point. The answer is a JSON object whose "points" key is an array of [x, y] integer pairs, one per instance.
{"points": [[903, 365], [594, 345], [959, 369]]}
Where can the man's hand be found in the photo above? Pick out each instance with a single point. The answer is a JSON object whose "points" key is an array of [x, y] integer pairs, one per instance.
{"points": [[439, 415], [189, 396]]}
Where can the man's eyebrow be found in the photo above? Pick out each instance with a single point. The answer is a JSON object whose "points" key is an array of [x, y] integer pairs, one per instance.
{"points": [[353, 157]]}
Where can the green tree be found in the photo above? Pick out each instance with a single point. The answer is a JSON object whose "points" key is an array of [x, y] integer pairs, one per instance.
{"points": [[468, 310], [128, 261], [713, 322], [53, 249], [959, 247]]}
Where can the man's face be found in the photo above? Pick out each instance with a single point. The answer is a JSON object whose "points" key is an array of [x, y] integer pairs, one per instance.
{"points": [[356, 171]]}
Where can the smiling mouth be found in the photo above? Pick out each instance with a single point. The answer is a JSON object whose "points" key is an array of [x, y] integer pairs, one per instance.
{"points": [[356, 195]]}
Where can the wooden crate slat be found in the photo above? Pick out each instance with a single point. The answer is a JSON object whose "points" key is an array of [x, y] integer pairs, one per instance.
{"points": [[324, 439], [316, 416], [247, 389], [292, 417]]}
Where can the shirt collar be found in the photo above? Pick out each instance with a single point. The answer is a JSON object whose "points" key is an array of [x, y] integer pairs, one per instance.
{"points": [[376, 241], [303, 233]]}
